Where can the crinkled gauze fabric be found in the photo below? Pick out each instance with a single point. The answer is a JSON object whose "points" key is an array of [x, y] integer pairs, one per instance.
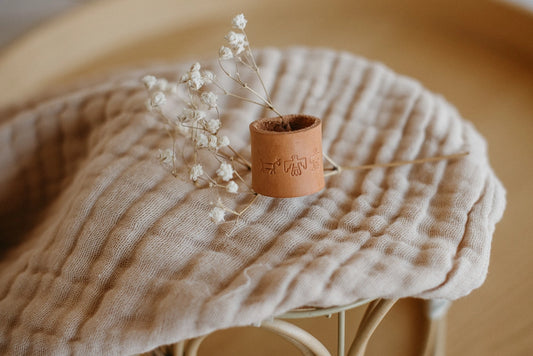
{"points": [[105, 252]]}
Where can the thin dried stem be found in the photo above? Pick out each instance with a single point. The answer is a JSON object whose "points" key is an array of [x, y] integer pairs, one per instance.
{"points": [[248, 163], [267, 103], [226, 72], [243, 181], [249, 205], [238, 213], [245, 99], [227, 157], [256, 69], [225, 92], [336, 169]]}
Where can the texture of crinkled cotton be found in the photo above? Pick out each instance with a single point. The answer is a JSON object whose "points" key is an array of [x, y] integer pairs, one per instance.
{"points": [[105, 252]]}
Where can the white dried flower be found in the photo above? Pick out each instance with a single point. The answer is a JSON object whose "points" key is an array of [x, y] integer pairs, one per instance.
{"points": [[223, 141], [196, 82], [193, 78], [197, 115], [225, 171], [192, 115], [217, 214], [208, 76], [212, 126], [196, 79], [213, 141], [149, 81], [202, 140], [225, 53], [209, 98], [158, 99], [196, 171], [239, 22], [239, 49], [195, 67], [232, 187], [161, 84], [237, 41], [166, 156]]}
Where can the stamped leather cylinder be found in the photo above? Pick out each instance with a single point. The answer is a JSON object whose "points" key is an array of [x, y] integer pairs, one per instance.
{"points": [[287, 163]]}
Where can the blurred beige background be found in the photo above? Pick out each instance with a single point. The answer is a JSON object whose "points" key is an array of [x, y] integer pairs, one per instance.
{"points": [[477, 54]]}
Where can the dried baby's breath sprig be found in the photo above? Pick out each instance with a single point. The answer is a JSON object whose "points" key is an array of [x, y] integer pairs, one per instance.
{"points": [[196, 172], [219, 210], [195, 129], [217, 214], [239, 22], [232, 187], [166, 157], [199, 124], [225, 171], [238, 50]]}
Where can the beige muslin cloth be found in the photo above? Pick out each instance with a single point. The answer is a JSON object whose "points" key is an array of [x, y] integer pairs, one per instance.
{"points": [[104, 252]]}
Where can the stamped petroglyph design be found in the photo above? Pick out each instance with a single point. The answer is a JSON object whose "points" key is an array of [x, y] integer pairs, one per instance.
{"points": [[270, 167], [295, 166]]}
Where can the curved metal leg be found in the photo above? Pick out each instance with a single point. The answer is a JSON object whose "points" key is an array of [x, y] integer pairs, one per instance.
{"points": [[193, 345], [436, 330], [172, 349], [291, 331], [178, 348], [341, 326], [304, 341], [376, 311], [304, 350], [369, 310]]}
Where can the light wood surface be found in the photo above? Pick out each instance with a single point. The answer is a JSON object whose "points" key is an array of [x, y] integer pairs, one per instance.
{"points": [[478, 54]]}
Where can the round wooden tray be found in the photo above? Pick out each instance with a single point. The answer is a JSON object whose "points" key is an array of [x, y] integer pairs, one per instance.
{"points": [[433, 42], [478, 54]]}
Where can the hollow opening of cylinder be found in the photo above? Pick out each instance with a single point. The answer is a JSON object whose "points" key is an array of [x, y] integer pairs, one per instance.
{"points": [[287, 124]]}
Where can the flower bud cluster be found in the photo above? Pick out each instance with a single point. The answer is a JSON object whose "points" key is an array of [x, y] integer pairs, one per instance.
{"points": [[237, 41]]}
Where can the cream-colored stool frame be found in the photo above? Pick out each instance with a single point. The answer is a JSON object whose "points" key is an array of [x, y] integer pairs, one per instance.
{"points": [[309, 345]]}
